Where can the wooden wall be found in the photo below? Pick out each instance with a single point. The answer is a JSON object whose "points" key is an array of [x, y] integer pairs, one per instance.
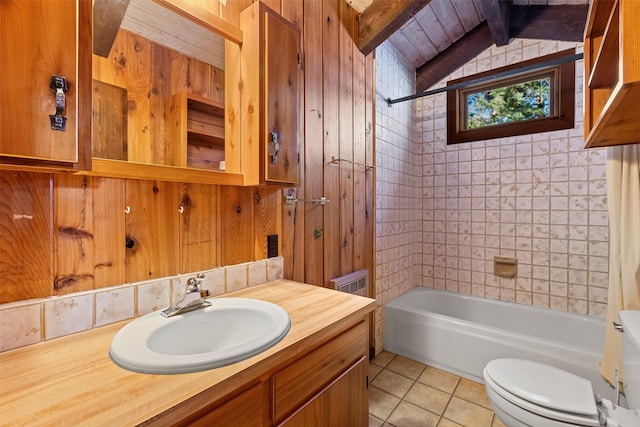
{"points": [[337, 122], [63, 233]]}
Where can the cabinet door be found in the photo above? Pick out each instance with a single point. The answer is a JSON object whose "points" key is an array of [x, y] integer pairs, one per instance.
{"points": [[281, 100], [303, 379], [39, 39], [344, 403]]}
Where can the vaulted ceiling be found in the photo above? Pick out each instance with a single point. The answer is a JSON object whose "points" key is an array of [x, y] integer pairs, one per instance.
{"points": [[439, 36]]}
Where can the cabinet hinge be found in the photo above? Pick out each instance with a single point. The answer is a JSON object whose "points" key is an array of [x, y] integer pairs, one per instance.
{"points": [[367, 382]]}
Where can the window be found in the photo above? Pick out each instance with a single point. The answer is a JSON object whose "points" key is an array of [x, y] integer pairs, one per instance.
{"points": [[541, 99]]}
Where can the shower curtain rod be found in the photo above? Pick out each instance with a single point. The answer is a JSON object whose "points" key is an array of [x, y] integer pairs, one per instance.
{"points": [[511, 72]]}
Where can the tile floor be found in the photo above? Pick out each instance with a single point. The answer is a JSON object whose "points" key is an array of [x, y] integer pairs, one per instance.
{"points": [[406, 393]]}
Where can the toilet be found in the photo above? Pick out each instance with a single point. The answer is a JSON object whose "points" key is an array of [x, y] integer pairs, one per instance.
{"points": [[528, 393]]}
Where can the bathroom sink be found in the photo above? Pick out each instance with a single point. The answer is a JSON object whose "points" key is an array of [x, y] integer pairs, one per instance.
{"points": [[226, 332]]}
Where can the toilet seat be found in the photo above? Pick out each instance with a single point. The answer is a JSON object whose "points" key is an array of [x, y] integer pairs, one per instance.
{"points": [[543, 390]]}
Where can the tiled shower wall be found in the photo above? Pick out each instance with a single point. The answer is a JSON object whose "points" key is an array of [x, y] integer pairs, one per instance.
{"points": [[398, 180], [444, 211], [540, 198]]}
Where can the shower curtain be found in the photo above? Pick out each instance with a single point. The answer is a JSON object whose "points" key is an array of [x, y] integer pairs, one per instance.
{"points": [[623, 199]]}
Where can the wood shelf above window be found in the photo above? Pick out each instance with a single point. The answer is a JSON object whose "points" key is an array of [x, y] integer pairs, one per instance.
{"points": [[612, 73]]}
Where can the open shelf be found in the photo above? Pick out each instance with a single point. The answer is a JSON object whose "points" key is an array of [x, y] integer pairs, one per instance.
{"points": [[195, 132], [612, 73], [604, 72]]}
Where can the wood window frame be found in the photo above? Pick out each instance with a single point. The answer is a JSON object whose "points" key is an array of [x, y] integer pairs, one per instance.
{"points": [[563, 97]]}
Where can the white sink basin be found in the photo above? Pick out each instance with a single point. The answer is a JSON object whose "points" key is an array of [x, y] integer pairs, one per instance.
{"points": [[228, 331]]}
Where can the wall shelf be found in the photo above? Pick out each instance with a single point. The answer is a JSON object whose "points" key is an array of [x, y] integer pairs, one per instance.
{"points": [[132, 170], [612, 73]]}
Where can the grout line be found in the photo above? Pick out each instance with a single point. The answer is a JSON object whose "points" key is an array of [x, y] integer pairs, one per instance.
{"points": [[414, 381]]}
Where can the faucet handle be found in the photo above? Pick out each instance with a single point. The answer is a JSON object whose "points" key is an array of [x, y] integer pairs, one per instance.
{"points": [[193, 283]]}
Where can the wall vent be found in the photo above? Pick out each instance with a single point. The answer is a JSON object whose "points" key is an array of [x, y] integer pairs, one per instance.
{"points": [[353, 283]]}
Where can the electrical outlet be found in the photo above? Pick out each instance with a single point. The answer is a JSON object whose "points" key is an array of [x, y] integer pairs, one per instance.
{"points": [[272, 246]]}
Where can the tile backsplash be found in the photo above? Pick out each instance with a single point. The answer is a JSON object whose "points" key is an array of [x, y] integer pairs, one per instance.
{"points": [[29, 322]]}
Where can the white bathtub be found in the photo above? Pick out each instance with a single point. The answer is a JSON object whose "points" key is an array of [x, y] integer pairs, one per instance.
{"points": [[461, 334]]}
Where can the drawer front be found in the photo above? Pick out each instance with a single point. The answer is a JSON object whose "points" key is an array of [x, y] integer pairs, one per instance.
{"points": [[298, 382], [243, 410]]}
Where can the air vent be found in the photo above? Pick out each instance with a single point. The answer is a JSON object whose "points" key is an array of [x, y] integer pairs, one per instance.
{"points": [[353, 283]]}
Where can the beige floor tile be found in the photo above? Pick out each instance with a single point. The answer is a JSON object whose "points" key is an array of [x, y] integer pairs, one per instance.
{"points": [[373, 371], [497, 422], [427, 398], [392, 383], [407, 367], [381, 404], [375, 422], [408, 415], [448, 423], [473, 392], [439, 379], [468, 414], [383, 358]]}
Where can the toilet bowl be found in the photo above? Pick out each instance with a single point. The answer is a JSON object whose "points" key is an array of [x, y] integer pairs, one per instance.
{"points": [[527, 393]]}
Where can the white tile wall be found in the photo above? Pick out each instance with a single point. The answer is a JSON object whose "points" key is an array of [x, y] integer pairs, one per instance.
{"points": [[540, 198], [29, 322], [398, 194]]}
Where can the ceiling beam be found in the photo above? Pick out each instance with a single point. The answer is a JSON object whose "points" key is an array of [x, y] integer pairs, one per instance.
{"points": [[107, 17], [468, 47], [383, 18], [557, 22], [497, 13]]}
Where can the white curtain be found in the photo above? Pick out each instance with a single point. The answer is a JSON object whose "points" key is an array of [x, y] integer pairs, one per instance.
{"points": [[623, 199]]}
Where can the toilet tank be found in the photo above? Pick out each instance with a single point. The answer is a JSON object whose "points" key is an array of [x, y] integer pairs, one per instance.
{"points": [[630, 320]]}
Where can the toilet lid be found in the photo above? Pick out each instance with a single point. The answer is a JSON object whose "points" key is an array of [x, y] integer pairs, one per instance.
{"points": [[544, 385]]}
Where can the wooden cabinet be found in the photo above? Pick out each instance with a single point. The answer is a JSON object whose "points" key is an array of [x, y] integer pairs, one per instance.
{"points": [[38, 40], [270, 80], [345, 402], [326, 386], [158, 114], [333, 395], [612, 73]]}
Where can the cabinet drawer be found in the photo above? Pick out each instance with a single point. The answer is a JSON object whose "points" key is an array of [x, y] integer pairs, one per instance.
{"points": [[296, 383], [243, 410]]}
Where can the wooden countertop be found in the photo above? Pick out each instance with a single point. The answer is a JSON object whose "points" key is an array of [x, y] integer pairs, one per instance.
{"points": [[72, 381]]}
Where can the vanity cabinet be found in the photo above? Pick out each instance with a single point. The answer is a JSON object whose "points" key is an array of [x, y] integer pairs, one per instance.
{"points": [[326, 386], [345, 402], [45, 58], [612, 73], [269, 114]]}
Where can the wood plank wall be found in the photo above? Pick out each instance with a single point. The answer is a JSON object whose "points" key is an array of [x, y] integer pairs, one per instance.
{"points": [[338, 122], [62, 234]]}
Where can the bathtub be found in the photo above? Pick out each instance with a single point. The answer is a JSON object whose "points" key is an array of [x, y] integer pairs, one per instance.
{"points": [[461, 334]]}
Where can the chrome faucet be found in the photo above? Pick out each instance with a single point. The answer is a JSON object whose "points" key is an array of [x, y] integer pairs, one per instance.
{"points": [[192, 299]]}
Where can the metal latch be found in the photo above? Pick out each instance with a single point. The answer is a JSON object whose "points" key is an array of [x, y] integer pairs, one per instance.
{"points": [[60, 86], [274, 146]]}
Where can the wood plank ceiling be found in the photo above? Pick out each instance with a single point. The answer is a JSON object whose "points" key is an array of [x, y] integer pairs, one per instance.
{"points": [[439, 36]]}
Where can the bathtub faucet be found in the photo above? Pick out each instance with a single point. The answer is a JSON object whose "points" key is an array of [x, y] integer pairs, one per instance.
{"points": [[192, 299]]}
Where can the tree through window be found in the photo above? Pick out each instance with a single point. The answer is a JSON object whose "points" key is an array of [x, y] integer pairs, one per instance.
{"points": [[535, 101]]}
